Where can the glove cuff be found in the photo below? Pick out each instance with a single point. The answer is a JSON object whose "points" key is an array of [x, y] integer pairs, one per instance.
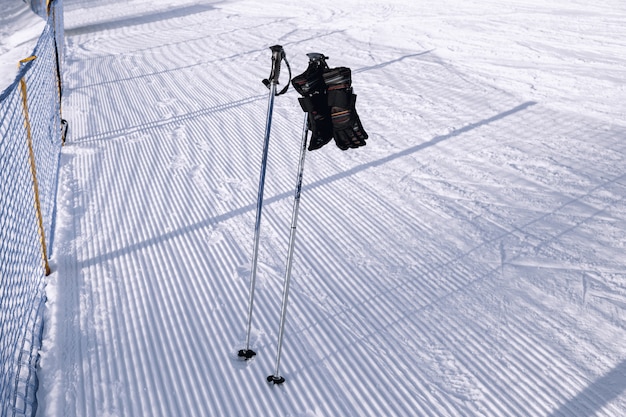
{"points": [[310, 81], [338, 78]]}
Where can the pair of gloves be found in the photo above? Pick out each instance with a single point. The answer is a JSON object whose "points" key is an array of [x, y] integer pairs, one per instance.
{"points": [[328, 99]]}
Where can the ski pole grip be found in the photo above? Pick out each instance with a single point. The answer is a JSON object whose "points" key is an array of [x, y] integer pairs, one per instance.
{"points": [[317, 57], [278, 54]]}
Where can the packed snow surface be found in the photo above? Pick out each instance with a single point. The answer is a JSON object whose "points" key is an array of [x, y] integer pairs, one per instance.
{"points": [[469, 261], [19, 30]]}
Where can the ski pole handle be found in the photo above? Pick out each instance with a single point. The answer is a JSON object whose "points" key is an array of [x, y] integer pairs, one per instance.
{"points": [[317, 57], [278, 55]]}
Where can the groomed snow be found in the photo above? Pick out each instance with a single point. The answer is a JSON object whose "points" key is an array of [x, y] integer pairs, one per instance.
{"points": [[19, 30], [469, 261]]}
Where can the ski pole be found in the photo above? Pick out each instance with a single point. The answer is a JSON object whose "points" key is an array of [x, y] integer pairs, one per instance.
{"points": [[276, 378], [278, 54]]}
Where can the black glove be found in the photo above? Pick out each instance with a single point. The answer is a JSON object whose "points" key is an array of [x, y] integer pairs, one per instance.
{"points": [[310, 84], [347, 129]]}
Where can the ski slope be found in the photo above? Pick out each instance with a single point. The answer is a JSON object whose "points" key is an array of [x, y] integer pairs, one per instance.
{"points": [[469, 261], [19, 30]]}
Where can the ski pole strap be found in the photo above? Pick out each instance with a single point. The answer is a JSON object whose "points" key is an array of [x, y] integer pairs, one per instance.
{"points": [[278, 55]]}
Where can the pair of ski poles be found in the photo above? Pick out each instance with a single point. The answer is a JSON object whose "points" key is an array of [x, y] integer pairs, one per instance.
{"points": [[278, 55]]}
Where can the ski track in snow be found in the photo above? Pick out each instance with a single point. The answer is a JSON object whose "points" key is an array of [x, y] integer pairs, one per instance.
{"points": [[468, 261]]}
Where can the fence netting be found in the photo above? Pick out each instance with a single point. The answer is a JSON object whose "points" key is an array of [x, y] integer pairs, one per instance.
{"points": [[31, 132]]}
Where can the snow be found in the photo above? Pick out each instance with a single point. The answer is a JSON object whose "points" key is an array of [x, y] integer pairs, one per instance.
{"points": [[468, 261], [19, 30]]}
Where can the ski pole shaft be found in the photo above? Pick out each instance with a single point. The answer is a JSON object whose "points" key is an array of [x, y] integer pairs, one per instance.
{"points": [[257, 224], [277, 56], [276, 378]]}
